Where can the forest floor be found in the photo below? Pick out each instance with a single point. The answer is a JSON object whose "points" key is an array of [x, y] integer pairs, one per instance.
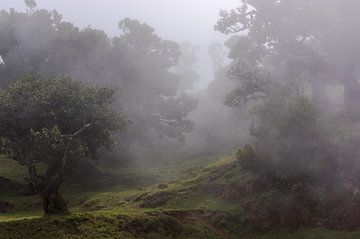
{"points": [[189, 199]]}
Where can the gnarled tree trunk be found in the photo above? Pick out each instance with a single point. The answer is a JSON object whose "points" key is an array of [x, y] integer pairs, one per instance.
{"points": [[53, 202], [48, 190], [48, 187]]}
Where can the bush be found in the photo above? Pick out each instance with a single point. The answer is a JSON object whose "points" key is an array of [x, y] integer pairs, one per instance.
{"points": [[249, 161], [292, 146]]}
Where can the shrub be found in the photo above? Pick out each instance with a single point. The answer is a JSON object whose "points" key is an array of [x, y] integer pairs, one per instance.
{"points": [[292, 146]]}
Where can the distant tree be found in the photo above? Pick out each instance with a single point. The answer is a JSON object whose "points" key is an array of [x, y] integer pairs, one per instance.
{"points": [[151, 94], [142, 39], [30, 4], [281, 55], [292, 144], [300, 42], [185, 69], [137, 62], [46, 124], [217, 54], [37, 42], [253, 81]]}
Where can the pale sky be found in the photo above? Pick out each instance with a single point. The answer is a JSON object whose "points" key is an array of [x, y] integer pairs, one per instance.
{"points": [[179, 20]]}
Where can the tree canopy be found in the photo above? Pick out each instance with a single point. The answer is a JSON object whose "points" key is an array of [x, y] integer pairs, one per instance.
{"points": [[137, 62], [53, 122], [298, 42]]}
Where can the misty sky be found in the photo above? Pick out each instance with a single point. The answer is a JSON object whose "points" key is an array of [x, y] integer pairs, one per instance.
{"points": [[179, 20]]}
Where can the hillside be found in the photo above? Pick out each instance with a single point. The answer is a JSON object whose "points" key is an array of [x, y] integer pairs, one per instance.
{"points": [[220, 201]]}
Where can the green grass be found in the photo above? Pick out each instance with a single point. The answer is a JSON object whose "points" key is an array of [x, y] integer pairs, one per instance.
{"points": [[140, 223], [12, 170], [104, 225], [308, 234], [164, 171], [190, 212]]}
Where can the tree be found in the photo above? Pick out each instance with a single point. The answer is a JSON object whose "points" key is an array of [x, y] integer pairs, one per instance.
{"points": [[301, 41], [281, 56], [31, 4], [137, 62], [49, 123], [151, 94], [217, 54], [292, 141], [254, 83], [185, 67], [36, 42]]}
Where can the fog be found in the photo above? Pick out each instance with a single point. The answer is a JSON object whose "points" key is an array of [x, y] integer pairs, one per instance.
{"points": [[221, 109], [176, 20]]}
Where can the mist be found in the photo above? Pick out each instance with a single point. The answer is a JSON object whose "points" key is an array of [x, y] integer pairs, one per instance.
{"points": [[179, 119], [104, 15]]}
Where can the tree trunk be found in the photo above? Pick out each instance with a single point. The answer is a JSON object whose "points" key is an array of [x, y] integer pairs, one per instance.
{"points": [[352, 95], [320, 94], [48, 190], [54, 204], [52, 201], [48, 187]]}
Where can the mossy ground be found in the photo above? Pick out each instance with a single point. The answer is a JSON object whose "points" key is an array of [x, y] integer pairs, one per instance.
{"points": [[177, 206]]}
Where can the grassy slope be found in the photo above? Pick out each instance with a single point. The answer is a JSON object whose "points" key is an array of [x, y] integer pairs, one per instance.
{"points": [[12, 170], [177, 210]]}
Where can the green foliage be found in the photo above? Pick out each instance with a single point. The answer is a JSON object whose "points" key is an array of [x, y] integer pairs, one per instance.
{"points": [[42, 112], [141, 38], [191, 212], [155, 100], [291, 145], [12, 170], [250, 161], [299, 42], [137, 62], [253, 83]]}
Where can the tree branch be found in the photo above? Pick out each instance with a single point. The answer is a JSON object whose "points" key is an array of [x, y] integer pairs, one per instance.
{"points": [[56, 180], [72, 136]]}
